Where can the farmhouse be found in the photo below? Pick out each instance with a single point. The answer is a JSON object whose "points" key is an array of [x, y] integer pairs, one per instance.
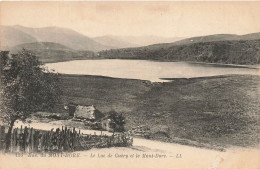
{"points": [[90, 114], [87, 112]]}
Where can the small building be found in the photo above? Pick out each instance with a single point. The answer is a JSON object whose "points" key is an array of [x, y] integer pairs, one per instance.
{"points": [[87, 112]]}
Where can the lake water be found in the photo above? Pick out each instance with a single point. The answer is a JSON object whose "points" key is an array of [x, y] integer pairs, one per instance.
{"points": [[146, 70]]}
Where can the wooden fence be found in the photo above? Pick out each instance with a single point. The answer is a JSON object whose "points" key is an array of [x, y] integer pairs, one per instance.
{"points": [[64, 139]]}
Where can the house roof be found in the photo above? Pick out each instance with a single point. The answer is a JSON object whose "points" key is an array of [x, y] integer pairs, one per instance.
{"points": [[86, 112], [74, 104]]}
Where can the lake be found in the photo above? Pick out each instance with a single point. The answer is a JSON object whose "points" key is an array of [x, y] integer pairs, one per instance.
{"points": [[147, 70]]}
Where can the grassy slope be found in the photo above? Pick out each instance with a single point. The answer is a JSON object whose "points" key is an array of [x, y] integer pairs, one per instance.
{"points": [[53, 56], [49, 52], [220, 110]]}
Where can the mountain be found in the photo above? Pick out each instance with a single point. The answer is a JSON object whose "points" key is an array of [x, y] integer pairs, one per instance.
{"points": [[53, 52], [15, 35], [64, 36], [114, 42], [133, 41], [54, 44], [10, 36], [145, 40]]}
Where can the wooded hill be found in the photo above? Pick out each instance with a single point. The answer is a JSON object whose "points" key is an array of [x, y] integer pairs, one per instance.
{"points": [[228, 52]]}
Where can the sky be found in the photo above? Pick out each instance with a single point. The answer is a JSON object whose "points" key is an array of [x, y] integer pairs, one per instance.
{"points": [[167, 19]]}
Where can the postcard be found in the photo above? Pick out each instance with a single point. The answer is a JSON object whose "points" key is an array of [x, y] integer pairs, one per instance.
{"points": [[129, 85]]}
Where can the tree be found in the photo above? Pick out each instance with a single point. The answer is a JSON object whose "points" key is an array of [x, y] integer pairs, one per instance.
{"points": [[117, 121], [26, 87]]}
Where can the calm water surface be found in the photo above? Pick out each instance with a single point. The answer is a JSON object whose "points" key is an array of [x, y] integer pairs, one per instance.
{"points": [[146, 70]]}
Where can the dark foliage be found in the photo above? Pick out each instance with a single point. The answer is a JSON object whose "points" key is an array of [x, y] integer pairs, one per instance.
{"points": [[26, 87], [228, 52], [117, 121]]}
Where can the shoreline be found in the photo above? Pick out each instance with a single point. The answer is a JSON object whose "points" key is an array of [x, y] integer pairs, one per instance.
{"points": [[164, 80], [255, 66]]}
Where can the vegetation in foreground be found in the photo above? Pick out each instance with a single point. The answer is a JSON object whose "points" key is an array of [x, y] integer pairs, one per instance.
{"points": [[25, 88], [217, 111]]}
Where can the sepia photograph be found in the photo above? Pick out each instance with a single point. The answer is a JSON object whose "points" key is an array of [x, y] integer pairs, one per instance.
{"points": [[129, 85]]}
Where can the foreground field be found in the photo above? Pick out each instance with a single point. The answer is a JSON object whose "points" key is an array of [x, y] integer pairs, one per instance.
{"points": [[218, 111]]}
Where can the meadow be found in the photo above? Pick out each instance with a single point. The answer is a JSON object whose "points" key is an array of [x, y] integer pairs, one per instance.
{"points": [[220, 111]]}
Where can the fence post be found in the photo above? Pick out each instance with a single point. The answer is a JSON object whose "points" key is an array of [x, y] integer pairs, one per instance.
{"points": [[27, 140], [21, 139], [52, 134], [65, 139], [14, 140], [36, 141], [68, 139], [24, 138], [73, 139], [11, 142], [2, 137], [58, 141], [32, 141], [40, 141], [16, 135]]}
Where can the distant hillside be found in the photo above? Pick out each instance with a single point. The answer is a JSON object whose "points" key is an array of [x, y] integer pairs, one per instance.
{"points": [[62, 36], [114, 42], [209, 38], [42, 46], [10, 36], [228, 52], [53, 52], [146, 40], [250, 36]]}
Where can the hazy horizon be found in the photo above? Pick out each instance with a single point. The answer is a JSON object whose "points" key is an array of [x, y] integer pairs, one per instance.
{"points": [[91, 36], [125, 35], [163, 19]]}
